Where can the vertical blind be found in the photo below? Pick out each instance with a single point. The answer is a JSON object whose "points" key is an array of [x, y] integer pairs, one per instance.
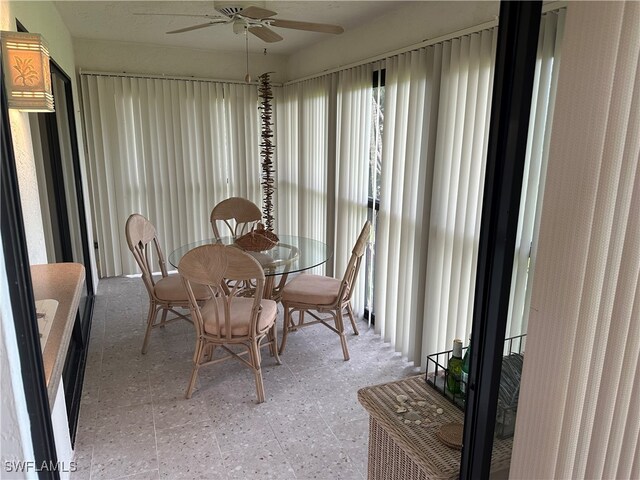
{"points": [[434, 152], [579, 410], [303, 158], [537, 153], [323, 150], [456, 203], [168, 149], [353, 112]]}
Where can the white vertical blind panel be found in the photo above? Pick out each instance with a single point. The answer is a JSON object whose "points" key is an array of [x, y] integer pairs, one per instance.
{"points": [[582, 421], [352, 170], [540, 124], [407, 159], [303, 160], [101, 150], [456, 204], [170, 150], [287, 158]]}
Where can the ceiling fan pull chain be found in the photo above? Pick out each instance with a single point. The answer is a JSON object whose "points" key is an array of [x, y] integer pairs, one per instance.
{"points": [[247, 77]]}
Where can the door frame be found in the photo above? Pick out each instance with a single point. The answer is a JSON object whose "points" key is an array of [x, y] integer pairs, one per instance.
{"points": [[18, 273], [510, 109]]}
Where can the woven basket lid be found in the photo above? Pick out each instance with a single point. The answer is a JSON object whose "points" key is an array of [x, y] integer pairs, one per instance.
{"points": [[451, 435]]}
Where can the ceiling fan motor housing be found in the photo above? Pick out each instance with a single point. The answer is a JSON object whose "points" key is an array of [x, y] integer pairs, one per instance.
{"points": [[235, 7]]}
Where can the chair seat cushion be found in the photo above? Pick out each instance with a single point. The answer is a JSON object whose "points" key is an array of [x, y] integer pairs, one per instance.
{"points": [[312, 290], [171, 289], [240, 316]]}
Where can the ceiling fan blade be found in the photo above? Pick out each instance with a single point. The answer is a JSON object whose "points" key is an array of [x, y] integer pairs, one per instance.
{"points": [[204, 15], [312, 27], [195, 27], [265, 34], [257, 12]]}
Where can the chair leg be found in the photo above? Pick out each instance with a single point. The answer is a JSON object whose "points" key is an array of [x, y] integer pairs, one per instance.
{"points": [[285, 327], [273, 332], [151, 317], [163, 320], [300, 318], [343, 339], [254, 351], [209, 352], [351, 317], [194, 373]]}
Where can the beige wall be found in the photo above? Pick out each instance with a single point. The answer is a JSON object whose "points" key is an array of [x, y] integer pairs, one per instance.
{"points": [[421, 21], [104, 56], [43, 18]]}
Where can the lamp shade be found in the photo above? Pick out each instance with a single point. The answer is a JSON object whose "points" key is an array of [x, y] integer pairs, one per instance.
{"points": [[25, 58]]}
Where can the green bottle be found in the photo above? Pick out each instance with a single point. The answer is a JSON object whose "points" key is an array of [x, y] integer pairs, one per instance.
{"points": [[464, 374], [455, 367]]}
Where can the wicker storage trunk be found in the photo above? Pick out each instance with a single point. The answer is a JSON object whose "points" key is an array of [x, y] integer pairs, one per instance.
{"points": [[402, 449]]}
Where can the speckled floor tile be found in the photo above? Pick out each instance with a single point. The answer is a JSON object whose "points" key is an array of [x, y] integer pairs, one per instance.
{"points": [[174, 412], [124, 443], [190, 452], [82, 461], [321, 461], [240, 427], [137, 424], [150, 475], [354, 438], [306, 430], [124, 387], [257, 462]]}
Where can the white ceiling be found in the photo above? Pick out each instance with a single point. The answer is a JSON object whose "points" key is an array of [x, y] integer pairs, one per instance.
{"points": [[102, 20]]}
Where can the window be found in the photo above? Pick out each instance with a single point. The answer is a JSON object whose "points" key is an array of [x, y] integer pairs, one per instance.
{"points": [[375, 169]]}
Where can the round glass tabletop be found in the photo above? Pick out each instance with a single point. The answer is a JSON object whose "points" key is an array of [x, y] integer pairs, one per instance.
{"points": [[291, 254]]}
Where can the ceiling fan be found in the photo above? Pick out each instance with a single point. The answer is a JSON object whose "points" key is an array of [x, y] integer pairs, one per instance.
{"points": [[253, 19]]}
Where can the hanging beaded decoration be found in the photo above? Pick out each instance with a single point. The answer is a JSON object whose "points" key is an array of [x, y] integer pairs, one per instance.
{"points": [[266, 149]]}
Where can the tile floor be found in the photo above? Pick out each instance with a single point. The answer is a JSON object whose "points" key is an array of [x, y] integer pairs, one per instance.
{"points": [[135, 422]]}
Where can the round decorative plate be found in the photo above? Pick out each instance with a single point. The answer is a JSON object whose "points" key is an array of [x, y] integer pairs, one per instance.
{"points": [[451, 435]]}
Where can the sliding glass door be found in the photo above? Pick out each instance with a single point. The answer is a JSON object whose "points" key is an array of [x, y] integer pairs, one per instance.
{"points": [[62, 206], [491, 372]]}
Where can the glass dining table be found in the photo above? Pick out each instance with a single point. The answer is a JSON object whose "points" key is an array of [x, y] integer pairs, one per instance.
{"points": [[292, 254]]}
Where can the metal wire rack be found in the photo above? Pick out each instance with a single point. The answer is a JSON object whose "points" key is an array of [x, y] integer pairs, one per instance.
{"points": [[437, 375]]}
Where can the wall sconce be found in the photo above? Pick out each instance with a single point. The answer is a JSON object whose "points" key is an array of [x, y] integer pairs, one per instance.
{"points": [[25, 58]]}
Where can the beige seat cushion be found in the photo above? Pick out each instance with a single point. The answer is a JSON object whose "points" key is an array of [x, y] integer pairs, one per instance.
{"points": [[240, 315], [171, 289], [312, 290]]}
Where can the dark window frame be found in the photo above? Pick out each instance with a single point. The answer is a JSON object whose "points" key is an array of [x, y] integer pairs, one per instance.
{"points": [[373, 204], [510, 108], [22, 302]]}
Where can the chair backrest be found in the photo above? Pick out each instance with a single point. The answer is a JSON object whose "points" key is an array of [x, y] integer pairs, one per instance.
{"points": [[238, 214], [143, 243], [224, 269], [353, 267]]}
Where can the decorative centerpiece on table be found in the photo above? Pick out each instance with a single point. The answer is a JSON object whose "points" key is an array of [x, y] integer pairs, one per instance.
{"points": [[257, 240]]}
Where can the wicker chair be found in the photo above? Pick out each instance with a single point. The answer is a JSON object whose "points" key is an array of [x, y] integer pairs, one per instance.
{"points": [[238, 214], [320, 294], [227, 318], [165, 293]]}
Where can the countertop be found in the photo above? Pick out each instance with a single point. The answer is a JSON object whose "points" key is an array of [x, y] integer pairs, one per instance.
{"points": [[62, 282]]}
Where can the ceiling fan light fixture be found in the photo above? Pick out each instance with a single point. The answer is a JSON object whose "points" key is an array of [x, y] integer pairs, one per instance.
{"points": [[239, 26]]}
